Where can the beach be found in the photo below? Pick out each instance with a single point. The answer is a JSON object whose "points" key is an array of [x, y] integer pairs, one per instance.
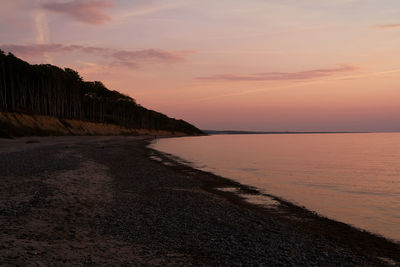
{"points": [[113, 201]]}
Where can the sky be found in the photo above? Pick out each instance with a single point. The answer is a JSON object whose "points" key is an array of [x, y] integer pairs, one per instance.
{"points": [[263, 65]]}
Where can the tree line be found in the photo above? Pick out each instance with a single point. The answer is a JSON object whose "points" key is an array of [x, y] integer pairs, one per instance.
{"points": [[49, 90]]}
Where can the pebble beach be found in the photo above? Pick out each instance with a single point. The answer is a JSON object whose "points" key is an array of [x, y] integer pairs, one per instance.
{"points": [[113, 201]]}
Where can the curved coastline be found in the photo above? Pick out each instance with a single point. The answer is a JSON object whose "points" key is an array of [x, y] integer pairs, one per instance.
{"points": [[363, 242], [111, 200]]}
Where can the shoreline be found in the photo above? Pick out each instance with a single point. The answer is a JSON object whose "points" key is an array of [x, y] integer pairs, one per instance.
{"points": [[285, 211], [104, 201]]}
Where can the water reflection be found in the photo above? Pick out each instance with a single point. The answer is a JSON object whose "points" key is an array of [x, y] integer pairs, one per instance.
{"points": [[354, 178]]}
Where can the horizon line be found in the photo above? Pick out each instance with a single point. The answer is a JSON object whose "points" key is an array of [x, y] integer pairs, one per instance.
{"points": [[289, 132]]}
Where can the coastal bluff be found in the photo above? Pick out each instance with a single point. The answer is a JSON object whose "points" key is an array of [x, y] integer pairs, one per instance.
{"points": [[19, 124], [48, 100]]}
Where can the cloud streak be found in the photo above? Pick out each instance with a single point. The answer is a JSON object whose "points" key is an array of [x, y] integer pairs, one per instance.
{"points": [[37, 50], [127, 58], [42, 31], [91, 12], [42, 27], [389, 26], [303, 83], [151, 54], [279, 76], [151, 8]]}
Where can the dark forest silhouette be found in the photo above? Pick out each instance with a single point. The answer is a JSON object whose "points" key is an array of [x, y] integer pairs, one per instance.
{"points": [[49, 90]]}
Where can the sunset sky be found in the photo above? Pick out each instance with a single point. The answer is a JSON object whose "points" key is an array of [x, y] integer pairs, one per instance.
{"points": [[275, 65]]}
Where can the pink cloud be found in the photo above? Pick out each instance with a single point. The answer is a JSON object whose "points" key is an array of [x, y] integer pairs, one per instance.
{"points": [[84, 11], [272, 76], [127, 58]]}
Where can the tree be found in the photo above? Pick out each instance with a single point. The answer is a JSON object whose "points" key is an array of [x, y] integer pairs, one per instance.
{"points": [[49, 90]]}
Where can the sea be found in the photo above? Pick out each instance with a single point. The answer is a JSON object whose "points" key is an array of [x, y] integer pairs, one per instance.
{"points": [[349, 177]]}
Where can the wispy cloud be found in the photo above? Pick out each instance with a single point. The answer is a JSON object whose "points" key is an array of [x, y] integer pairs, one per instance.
{"points": [[154, 7], [303, 83], [37, 50], [273, 76], [91, 12], [151, 54], [42, 27], [128, 58], [389, 26], [42, 30]]}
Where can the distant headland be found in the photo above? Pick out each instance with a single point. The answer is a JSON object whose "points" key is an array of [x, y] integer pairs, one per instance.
{"points": [[265, 132]]}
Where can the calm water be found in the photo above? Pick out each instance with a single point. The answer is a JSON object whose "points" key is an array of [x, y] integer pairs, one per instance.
{"points": [[353, 178]]}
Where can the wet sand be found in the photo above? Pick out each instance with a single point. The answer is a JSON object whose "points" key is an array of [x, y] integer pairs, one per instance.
{"points": [[112, 201]]}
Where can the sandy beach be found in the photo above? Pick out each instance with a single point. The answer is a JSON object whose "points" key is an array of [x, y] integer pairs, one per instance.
{"points": [[112, 201]]}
